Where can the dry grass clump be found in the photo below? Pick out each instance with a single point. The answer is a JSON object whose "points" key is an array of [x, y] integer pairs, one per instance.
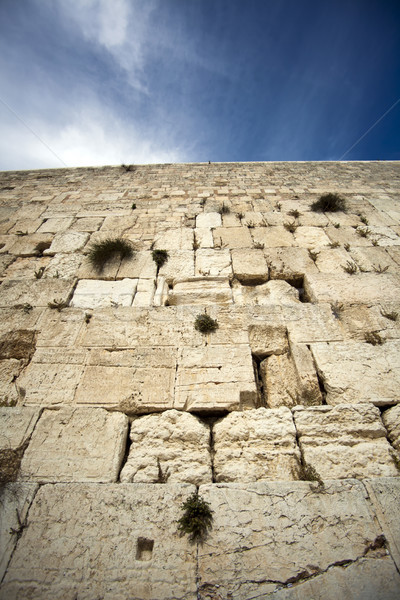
{"points": [[329, 203], [101, 252], [205, 324]]}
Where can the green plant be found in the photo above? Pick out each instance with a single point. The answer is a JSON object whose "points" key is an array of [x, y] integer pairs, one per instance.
{"points": [[294, 213], [313, 255], [337, 309], [224, 209], [350, 267], [278, 206], [197, 518], [205, 324], [39, 273], [364, 219], [290, 226], [392, 316], [380, 269], [309, 473], [88, 316], [102, 252], [21, 233], [57, 304], [160, 257], [329, 203], [372, 337], [259, 245], [375, 242], [363, 231], [336, 225], [133, 206], [240, 215], [196, 244], [334, 245], [346, 247]]}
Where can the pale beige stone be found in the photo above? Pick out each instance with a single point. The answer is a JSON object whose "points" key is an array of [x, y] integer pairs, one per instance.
{"points": [[64, 266], [203, 237], [332, 260], [171, 447], [180, 265], [373, 259], [144, 292], [55, 225], [5, 261], [123, 531], [213, 378], [289, 263], [213, 263], [141, 265], [38, 292], [273, 533], [27, 226], [161, 293], [88, 224], [12, 318], [253, 219], [307, 323], [70, 241], [391, 420], [76, 444], [310, 237], [249, 265], [268, 339], [354, 372], [25, 268], [201, 290], [256, 445], [108, 272], [232, 237], [360, 288], [270, 293], [9, 371], [344, 441], [280, 382], [272, 237], [210, 220], [15, 500], [58, 329], [348, 235], [97, 293], [30, 245], [16, 425], [386, 235], [174, 239]]}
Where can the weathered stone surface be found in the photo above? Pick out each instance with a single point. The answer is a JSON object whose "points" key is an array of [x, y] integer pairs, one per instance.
{"points": [[275, 533], [307, 323], [36, 293], [361, 288], [26, 226], [76, 444], [355, 372], [272, 292], [127, 534], [175, 239], [200, 290], [268, 339], [385, 497], [64, 266], [141, 265], [5, 261], [60, 328], [332, 260], [180, 265], [310, 237], [15, 500], [16, 425], [18, 344], [88, 224], [255, 445], [213, 378], [272, 237], [211, 219], [289, 263], [55, 225], [9, 371], [249, 266], [144, 292], [30, 245], [171, 447], [203, 237], [373, 259], [96, 293], [232, 237], [214, 263], [391, 420], [25, 268], [70, 241], [344, 441]]}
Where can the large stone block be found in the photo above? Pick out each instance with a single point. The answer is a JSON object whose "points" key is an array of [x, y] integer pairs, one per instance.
{"points": [[270, 293], [274, 534], [141, 265], [310, 237], [200, 290], [210, 219], [289, 263], [60, 328], [35, 293], [180, 265], [308, 323], [214, 378], [355, 372], [127, 535], [391, 420], [97, 293], [249, 265], [9, 371], [266, 339], [232, 237], [76, 444], [255, 445], [172, 446], [272, 237], [16, 425], [344, 441], [214, 263], [362, 288], [29, 245], [70, 241]]}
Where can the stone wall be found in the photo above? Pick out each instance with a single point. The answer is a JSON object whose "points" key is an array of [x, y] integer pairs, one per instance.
{"points": [[115, 408]]}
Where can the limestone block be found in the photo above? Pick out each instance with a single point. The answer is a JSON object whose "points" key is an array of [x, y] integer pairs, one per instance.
{"points": [[391, 420], [30, 245], [88, 224], [274, 533], [141, 265], [174, 239], [365, 579], [249, 265], [25, 268], [55, 225], [180, 265], [96, 293], [307, 323], [308, 391], [38, 292], [15, 500], [344, 441], [76, 444], [16, 425], [210, 219], [213, 378], [272, 292], [255, 445], [268, 339], [253, 219], [280, 383], [385, 495], [127, 534], [362, 288], [310, 237], [272, 237], [386, 235], [171, 447], [108, 272], [201, 290], [26, 226], [213, 263], [17, 318], [58, 329], [144, 292], [289, 263], [118, 223], [134, 381], [232, 237], [355, 372], [347, 235], [5, 261], [64, 266], [332, 260], [161, 293], [204, 237], [373, 258], [70, 241], [9, 371]]}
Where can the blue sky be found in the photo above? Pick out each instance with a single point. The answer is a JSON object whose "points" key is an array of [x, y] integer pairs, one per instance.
{"points": [[143, 81]]}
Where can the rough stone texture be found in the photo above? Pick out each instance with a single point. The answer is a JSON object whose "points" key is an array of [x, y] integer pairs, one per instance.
{"points": [[127, 535], [272, 292], [355, 372], [15, 500], [268, 339], [210, 220], [289, 263], [256, 445], [144, 293], [273, 534], [76, 444], [35, 293], [214, 378], [232, 237], [16, 425], [214, 263], [9, 371], [344, 441], [391, 420], [67, 242], [180, 265], [172, 447], [213, 290], [249, 266], [94, 294], [361, 288]]}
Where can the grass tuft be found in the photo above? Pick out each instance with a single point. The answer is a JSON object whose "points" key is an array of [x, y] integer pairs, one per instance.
{"points": [[329, 203], [160, 257], [196, 519], [205, 324], [101, 252]]}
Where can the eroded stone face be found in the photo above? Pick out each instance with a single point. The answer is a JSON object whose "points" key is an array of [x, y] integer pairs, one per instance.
{"points": [[344, 441], [391, 420], [94, 294], [171, 447], [16, 425], [255, 445]]}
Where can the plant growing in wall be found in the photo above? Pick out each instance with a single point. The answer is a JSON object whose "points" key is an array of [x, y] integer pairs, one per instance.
{"points": [[205, 324], [160, 257], [329, 203], [197, 518], [102, 252]]}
